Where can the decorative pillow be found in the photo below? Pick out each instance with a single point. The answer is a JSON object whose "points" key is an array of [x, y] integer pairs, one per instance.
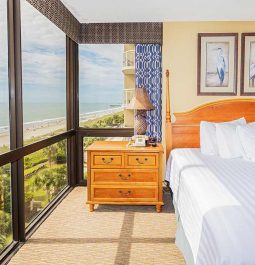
{"points": [[247, 139], [228, 141], [208, 140]]}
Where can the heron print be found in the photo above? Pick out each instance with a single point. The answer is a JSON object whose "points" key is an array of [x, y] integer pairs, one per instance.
{"points": [[217, 61], [252, 64]]}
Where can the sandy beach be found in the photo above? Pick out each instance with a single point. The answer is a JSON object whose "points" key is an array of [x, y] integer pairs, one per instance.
{"points": [[46, 127]]}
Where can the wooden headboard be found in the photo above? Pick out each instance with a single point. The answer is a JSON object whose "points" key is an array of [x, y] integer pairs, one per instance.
{"points": [[185, 131]]}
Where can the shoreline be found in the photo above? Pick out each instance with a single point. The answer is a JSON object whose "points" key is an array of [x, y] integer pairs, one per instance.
{"points": [[44, 127]]}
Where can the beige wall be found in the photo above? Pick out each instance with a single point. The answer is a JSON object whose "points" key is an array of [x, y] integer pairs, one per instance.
{"points": [[180, 57], [128, 47], [129, 81]]}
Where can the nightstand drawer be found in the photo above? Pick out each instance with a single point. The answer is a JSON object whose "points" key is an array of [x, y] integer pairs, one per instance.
{"points": [[124, 194], [124, 176], [142, 160], [106, 160]]}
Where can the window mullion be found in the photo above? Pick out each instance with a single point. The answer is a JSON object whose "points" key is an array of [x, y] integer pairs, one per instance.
{"points": [[16, 117]]}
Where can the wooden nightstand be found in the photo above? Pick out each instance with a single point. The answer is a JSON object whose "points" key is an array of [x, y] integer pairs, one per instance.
{"points": [[118, 174]]}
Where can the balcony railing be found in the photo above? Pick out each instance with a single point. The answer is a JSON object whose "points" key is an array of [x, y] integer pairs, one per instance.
{"points": [[129, 60]]}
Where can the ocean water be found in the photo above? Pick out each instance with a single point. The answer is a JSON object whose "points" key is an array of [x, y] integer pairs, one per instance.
{"points": [[44, 111]]}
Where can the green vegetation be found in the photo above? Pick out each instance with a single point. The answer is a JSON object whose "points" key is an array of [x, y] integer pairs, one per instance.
{"points": [[4, 149], [107, 121], [45, 176], [5, 207]]}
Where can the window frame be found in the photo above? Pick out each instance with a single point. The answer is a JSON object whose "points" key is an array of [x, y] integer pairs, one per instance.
{"points": [[24, 85], [83, 132], [17, 149]]}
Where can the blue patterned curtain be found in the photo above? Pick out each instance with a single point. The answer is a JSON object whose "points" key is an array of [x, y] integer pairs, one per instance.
{"points": [[148, 72]]}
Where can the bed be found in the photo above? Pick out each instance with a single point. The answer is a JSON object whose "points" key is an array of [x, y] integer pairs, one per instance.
{"points": [[214, 198]]}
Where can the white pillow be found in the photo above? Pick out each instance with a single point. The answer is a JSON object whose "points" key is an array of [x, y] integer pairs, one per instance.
{"points": [[208, 140], [247, 139], [228, 142]]}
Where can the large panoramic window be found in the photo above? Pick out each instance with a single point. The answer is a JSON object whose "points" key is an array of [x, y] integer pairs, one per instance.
{"points": [[4, 89], [107, 83], [45, 176], [44, 75], [5, 207]]}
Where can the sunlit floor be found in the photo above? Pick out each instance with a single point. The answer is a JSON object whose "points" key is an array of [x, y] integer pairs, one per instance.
{"points": [[112, 235]]}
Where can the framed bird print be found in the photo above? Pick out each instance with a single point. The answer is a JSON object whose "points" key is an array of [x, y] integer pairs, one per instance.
{"points": [[217, 64], [248, 65]]}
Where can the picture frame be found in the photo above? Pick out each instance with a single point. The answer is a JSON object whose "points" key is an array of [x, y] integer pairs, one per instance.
{"points": [[217, 64], [247, 81]]}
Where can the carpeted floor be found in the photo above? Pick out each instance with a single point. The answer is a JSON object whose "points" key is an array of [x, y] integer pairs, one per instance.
{"points": [[112, 235]]}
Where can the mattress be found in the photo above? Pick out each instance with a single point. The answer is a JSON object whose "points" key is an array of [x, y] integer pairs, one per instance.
{"points": [[214, 199]]}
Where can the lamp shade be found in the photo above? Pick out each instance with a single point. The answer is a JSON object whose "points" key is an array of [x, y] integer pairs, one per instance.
{"points": [[140, 101]]}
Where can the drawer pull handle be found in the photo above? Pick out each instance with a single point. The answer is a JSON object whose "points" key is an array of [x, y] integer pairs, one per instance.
{"points": [[107, 162], [141, 162], [125, 178], [125, 194]]}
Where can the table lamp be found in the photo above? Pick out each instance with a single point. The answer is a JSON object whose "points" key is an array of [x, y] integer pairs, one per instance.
{"points": [[140, 103]]}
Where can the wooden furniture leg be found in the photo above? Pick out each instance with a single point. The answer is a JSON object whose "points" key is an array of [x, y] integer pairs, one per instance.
{"points": [[158, 208], [91, 207]]}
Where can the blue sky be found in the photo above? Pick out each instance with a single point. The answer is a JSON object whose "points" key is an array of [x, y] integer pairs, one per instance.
{"points": [[3, 53], [101, 77], [43, 58]]}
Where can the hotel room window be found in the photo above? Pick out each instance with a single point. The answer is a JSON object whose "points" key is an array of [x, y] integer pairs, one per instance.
{"points": [[106, 86], [44, 76], [4, 86]]}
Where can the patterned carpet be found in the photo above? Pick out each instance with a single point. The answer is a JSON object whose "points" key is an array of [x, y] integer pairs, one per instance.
{"points": [[112, 235]]}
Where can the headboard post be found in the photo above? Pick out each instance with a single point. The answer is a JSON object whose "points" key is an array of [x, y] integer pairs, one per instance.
{"points": [[168, 117]]}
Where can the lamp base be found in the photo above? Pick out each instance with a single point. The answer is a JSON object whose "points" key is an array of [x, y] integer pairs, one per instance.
{"points": [[140, 122]]}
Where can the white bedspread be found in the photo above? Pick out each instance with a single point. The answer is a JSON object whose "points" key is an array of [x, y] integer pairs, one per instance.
{"points": [[215, 200]]}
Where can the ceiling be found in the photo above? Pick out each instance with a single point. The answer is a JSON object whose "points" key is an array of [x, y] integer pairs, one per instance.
{"points": [[103, 11]]}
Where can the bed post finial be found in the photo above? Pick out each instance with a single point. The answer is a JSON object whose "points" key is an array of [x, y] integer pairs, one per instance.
{"points": [[168, 117]]}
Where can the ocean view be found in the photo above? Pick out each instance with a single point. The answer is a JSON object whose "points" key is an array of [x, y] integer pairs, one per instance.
{"points": [[34, 112]]}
